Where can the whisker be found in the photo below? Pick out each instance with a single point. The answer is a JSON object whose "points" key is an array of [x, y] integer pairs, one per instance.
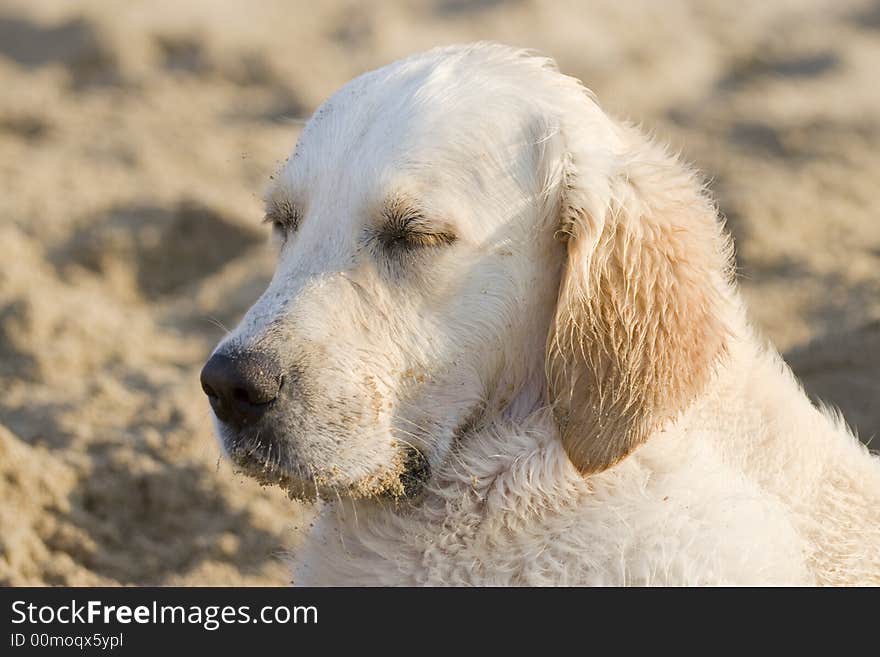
{"points": [[216, 322]]}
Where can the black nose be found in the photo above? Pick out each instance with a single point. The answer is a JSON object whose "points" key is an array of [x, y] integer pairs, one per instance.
{"points": [[241, 386]]}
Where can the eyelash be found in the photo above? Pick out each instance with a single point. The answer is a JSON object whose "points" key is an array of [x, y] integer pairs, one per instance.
{"points": [[283, 220], [399, 235]]}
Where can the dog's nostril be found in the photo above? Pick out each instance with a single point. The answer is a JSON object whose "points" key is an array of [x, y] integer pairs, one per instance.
{"points": [[208, 390], [241, 386], [253, 396]]}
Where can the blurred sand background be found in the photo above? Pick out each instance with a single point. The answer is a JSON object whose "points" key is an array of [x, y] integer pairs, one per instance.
{"points": [[136, 139]]}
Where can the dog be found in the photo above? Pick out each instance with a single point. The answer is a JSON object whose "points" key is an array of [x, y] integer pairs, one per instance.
{"points": [[503, 345]]}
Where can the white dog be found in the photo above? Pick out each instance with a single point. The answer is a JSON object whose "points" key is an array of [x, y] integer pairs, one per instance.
{"points": [[503, 346]]}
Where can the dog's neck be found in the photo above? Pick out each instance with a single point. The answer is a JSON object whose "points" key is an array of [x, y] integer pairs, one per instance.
{"points": [[529, 396], [520, 386]]}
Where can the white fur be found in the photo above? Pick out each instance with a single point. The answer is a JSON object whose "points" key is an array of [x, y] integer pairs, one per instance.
{"points": [[740, 481]]}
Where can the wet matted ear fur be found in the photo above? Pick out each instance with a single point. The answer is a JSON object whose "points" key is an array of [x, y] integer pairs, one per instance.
{"points": [[639, 322]]}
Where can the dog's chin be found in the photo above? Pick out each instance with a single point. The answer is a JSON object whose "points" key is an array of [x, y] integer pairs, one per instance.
{"points": [[402, 479], [268, 472]]}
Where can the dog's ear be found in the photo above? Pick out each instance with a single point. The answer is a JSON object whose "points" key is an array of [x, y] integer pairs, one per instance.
{"points": [[639, 319]]}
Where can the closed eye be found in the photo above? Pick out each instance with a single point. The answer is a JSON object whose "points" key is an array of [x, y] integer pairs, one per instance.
{"points": [[284, 218], [410, 232], [415, 239]]}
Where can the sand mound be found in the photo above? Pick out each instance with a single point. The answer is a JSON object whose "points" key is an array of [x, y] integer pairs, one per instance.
{"points": [[136, 140]]}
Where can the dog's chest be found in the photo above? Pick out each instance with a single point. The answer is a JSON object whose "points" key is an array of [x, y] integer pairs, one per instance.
{"points": [[532, 520], [460, 544]]}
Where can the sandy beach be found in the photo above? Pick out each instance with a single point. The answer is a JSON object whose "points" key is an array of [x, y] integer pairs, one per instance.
{"points": [[137, 138]]}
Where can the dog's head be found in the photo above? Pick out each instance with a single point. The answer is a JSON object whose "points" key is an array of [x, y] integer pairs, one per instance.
{"points": [[465, 234]]}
